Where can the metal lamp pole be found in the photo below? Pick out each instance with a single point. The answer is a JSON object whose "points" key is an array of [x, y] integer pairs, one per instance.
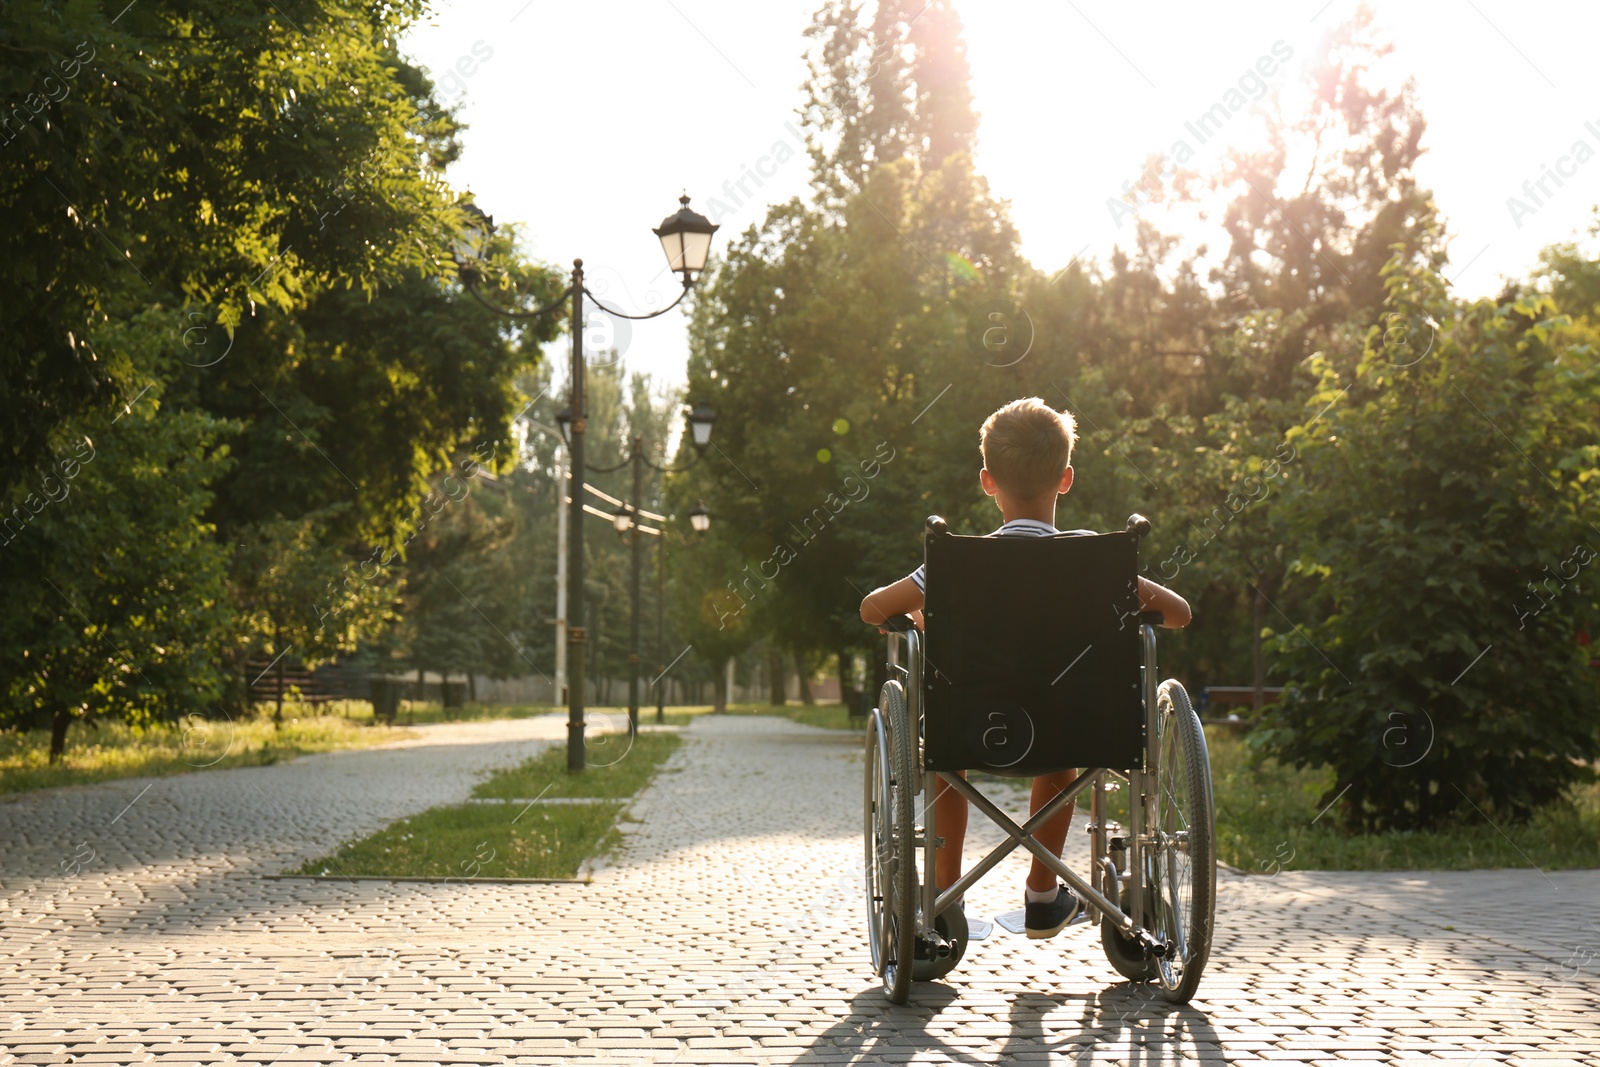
{"points": [[577, 636], [561, 580], [626, 520], [686, 239], [661, 628]]}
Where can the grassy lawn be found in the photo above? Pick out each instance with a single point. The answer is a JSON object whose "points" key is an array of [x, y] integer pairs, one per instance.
{"points": [[615, 768], [514, 840], [114, 750], [481, 840], [1265, 816]]}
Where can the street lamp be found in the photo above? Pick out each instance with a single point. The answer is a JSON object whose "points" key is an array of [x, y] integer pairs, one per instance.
{"points": [[701, 419], [625, 521], [686, 240], [699, 517]]}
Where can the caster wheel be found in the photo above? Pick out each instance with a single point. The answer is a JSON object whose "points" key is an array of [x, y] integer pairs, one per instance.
{"points": [[952, 926]]}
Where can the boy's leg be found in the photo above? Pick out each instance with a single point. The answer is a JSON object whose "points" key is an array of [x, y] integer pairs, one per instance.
{"points": [[1053, 834], [950, 823]]}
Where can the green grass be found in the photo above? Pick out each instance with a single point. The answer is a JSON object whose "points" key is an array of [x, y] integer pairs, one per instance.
{"points": [[114, 750], [1269, 815], [480, 840], [515, 840], [615, 767]]}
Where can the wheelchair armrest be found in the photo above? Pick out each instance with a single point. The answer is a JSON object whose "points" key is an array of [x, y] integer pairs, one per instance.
{"points": [[899, 623], [1153, 618]]}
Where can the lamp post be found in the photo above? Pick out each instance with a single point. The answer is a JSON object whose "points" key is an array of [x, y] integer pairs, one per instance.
{"points": [[560, 687], [626, 522], [686, 239]]}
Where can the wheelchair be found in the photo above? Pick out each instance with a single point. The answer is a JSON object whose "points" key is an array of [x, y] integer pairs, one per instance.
{"points": [[1035, 658]]}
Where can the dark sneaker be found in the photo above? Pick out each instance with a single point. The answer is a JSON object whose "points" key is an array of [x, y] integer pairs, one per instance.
{"points": [[1049, 918]]}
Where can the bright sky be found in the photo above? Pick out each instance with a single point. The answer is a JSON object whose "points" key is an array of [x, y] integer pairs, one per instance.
{"points": [[588, 119]]}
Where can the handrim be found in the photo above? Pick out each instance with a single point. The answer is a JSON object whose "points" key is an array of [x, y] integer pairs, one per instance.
{"points": [[1186, 834], [877, 810], [901, 874]]}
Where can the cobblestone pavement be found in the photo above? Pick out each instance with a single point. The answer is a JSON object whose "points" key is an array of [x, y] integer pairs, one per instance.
{"points": [[135, 927]]}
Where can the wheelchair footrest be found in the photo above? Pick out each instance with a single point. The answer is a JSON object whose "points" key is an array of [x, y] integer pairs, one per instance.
{"points": [[1016, 922]]}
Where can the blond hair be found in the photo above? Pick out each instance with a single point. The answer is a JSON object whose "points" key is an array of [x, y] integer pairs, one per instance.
{"points": [[1027, 446]]}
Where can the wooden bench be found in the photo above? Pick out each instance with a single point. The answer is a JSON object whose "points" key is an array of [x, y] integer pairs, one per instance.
{"points": [[315, 686]]}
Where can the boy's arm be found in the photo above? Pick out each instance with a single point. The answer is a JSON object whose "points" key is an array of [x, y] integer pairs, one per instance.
{"points": [[1174, 609], [900, 598]]}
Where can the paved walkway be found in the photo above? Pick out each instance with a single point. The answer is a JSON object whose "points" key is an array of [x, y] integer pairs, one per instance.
{"points": [[135, 928]]}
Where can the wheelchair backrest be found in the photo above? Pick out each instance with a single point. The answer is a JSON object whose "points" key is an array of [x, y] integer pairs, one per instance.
{"points": [[1032, 653]]}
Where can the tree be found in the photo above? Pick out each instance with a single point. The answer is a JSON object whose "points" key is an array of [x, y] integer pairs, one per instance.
{"points": [[1442, 509], [830, 330], [116, 604], [1316, 244], [294, 597], [885, 87], [205, 154], [464, 606], [267, 189]]}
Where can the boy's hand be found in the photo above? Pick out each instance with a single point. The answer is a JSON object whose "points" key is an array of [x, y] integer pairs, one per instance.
{"points": [[900, 598], [916, 617], [1175, 613]]}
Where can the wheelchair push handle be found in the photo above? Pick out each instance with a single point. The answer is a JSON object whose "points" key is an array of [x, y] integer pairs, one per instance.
{"points": [[1139, 526]]}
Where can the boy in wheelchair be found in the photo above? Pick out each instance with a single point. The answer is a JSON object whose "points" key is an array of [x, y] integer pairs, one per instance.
{"points": [[1027, 463]]}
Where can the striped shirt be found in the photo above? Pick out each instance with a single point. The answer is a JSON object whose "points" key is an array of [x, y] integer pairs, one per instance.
{"points": [[1014, 528]]}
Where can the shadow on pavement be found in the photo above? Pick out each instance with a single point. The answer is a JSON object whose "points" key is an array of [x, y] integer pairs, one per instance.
{"points": [[1128, 1016]]}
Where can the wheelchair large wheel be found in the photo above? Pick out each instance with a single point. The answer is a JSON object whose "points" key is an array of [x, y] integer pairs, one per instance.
{"points": [[1183, 864], [875, 803], [891, 869]]}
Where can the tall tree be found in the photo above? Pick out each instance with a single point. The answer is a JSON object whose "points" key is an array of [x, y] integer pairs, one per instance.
{"points": [[1442, 511], [883, 86], [114, 586], [266, 188], [1315, 240], [200, 153]]}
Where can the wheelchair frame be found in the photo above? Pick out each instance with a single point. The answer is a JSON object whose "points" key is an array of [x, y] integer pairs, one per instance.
{"points": [[1145, 931]]}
